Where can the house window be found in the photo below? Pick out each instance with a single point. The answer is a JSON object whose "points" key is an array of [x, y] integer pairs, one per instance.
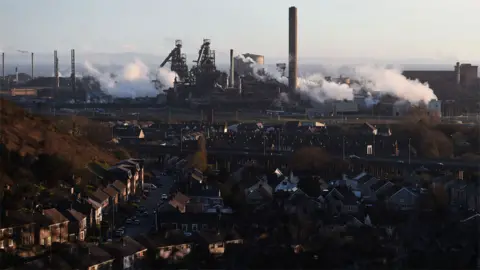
{"points": [[185, 227], [10, 230], [1, 245], [220, 245], [175, 226], [194, 227], [402, 201], [10, 242]]}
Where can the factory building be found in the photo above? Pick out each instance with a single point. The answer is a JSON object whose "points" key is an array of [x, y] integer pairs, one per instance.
{"points": [[444, 81], [333, 108], [402, 108]]}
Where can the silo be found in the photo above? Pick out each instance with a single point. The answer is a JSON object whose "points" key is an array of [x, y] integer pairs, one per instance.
{"points": [[244, 66], [259, 59]]}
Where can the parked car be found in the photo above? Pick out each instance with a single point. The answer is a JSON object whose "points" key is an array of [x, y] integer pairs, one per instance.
{"points": [[119, 232], [128, 221], [136, 222], [164, 196]]}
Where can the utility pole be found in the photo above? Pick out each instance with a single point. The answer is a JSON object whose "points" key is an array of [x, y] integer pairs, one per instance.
{"points": [[343, 147]]}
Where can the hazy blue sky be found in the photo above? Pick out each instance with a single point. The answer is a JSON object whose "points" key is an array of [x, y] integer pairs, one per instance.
{"points": [[382, 29]]}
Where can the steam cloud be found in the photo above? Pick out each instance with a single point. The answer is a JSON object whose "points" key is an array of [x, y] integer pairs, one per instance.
{"points": [[376, 81], [135, 80]]}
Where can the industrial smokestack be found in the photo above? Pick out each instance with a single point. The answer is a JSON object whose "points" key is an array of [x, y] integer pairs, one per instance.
{"points": [[32, 65], [292, 48], [231, 76], [72, 76], [55, 69], [457, 73], [3, 68]]}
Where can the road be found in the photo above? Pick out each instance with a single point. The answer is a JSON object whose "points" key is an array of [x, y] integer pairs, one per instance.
{"points": [[147, 222]]}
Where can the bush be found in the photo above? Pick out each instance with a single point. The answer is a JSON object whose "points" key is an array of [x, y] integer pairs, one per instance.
{"points": [[121, 154]]}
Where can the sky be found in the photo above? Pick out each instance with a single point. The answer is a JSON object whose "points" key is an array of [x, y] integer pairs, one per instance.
{"points": [[380, 29]]}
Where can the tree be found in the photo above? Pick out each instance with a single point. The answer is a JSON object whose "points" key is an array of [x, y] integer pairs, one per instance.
{"points": [[51, 169], [199, 159]]}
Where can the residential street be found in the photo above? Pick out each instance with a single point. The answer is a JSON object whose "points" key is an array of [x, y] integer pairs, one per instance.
{"points": [[148, 222]]}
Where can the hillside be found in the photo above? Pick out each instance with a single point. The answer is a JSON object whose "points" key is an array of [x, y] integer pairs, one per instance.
{"points": [[31, 135]]}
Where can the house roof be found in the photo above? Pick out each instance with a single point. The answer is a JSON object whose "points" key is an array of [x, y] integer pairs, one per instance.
{"points": [[54, 215], [169, 238], [130, 162], [124, 247], [197, 189], [126, 131], [73, 215], [214, 236], [99, 196], [110, 191], [120, 172], [377, 185], [348, 197], [396, 188], [370, 126], [179, 200], [119, 185], [129, 166]]}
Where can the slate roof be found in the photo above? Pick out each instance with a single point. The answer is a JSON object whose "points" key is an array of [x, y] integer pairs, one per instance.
{"points": [[179, 200], [124, 247], [99, 196], [54, 215], [110, 191], [119, 185], [73, 215]]}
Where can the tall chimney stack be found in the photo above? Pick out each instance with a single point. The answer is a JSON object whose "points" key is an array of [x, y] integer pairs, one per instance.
{"points": [[3, 68], [32, 65], [458, 73], [292, 49], [72, 76], [231, 76], [55, 70]]}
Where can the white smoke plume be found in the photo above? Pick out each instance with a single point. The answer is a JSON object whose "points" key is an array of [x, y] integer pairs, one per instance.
{"points": [[135, 80], [376, 81]]}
